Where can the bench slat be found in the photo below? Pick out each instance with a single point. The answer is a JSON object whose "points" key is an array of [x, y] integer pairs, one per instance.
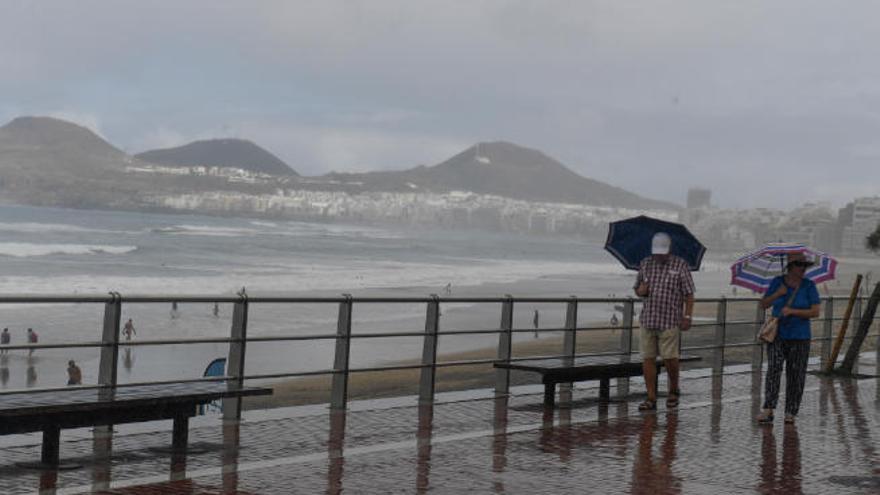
{"points": [[566, 370], [585, 364], [53, 410], [76, 400]]}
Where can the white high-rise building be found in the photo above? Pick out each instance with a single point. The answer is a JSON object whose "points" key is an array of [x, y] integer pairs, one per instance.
{"points": [[865, 218]]}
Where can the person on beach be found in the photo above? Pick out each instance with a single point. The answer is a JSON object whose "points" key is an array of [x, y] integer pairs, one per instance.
{"points": [[74, 374], [665, 284], [32, 338], [30, 375], [127, 359], [792, 343], [128, 330], [216, 310], [5, 339], [535, 320], [173, 310]]}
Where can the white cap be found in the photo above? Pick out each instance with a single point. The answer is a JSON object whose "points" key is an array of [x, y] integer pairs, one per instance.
{"points": [[660, 243]]}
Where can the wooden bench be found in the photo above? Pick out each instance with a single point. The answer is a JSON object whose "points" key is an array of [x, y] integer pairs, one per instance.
{"points": [[50, 411], [566, 370]]}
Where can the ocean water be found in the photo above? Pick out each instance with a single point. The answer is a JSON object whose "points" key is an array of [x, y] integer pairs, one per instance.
{"points": [[63, 251], [73, 251]]}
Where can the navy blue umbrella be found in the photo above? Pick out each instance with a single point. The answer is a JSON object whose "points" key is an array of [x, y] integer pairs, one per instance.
{"points": [[629, 241]]}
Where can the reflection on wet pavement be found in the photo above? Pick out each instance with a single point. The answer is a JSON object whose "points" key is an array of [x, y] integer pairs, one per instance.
{"points": [[653, 473]]}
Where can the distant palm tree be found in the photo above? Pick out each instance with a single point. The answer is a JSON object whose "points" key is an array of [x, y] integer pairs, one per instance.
{"points": [[873, 240]]}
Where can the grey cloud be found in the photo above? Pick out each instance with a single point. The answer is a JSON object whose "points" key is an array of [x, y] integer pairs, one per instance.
{"points": [[711, 93]]}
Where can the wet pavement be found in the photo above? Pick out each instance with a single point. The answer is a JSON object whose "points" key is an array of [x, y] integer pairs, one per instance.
{"points": [[709, 444]]}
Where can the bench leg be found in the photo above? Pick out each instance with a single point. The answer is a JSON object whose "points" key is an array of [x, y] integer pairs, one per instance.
{"points": [[180, 435], [605, 389], [549, 394], [51, 445], [50, 461]]}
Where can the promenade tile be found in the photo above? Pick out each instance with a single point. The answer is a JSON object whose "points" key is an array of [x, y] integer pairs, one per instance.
{"points": [[708, 445]]}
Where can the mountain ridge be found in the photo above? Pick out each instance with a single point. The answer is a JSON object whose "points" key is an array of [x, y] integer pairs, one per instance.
{"points": [[49, 161]]}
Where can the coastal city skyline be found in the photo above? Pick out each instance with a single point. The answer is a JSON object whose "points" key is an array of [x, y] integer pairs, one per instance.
{"points": [[497, 187]]}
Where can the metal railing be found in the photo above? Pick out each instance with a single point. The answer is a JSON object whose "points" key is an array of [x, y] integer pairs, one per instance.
{"points": [[341, 371]]}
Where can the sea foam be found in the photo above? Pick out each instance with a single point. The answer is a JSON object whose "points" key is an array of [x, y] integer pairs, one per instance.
{"points": [[47, 228], [205, 230], [27, 249], [356, 274]]}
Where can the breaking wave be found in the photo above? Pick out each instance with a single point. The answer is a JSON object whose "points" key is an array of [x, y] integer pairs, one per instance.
{"points": [[46, 228], [26, 249]]}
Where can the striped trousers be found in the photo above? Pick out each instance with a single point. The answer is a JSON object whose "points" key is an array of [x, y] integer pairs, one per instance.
{"points": [[794, 354]]}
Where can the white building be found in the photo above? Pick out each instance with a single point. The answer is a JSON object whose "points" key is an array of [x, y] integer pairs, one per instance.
{"points": [[865, 219]]}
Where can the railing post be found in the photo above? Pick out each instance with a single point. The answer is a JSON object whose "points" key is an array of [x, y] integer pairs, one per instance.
{"points": [[877, 357], [505, 344], [235, 360], [857, 316], [107, 368], [626, 334], [569, 340], [429, 352], [827, 332], [720, 337], [758, 348], [339, 392], [626, 341]]}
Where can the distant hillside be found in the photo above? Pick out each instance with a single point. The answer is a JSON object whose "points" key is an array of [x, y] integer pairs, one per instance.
{"points": [[237, 153], [51, 162], [44, 144], [506, 169], [47, 161]]}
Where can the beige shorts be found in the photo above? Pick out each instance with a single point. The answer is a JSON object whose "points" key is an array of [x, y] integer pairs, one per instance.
{"points": [[667, 341]]}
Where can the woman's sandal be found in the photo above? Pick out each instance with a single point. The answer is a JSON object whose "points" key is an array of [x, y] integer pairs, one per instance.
{"points": [[648, 405], [672, 398], [789, 419], [765, 418]]}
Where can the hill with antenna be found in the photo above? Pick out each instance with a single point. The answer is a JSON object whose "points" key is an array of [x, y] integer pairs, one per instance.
{"points": [[506, 169]]}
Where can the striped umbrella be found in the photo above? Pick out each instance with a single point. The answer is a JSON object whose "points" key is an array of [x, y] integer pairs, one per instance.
{"points": [[755, 270]]}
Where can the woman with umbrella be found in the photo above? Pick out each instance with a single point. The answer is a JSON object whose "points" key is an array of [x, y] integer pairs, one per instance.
{"points": [[795, 300]]}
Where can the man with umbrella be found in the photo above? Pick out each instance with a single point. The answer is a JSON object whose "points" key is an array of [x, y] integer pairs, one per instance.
{"points": [[665, 283]]}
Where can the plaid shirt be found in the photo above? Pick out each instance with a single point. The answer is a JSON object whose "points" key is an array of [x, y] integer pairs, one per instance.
{"points": [[668, 285]]}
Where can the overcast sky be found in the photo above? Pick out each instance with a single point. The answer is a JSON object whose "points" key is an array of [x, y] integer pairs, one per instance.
{"points": [[767, 103]]}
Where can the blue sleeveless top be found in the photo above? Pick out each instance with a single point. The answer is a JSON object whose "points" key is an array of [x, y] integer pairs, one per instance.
{"points": [[794, 327]]}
